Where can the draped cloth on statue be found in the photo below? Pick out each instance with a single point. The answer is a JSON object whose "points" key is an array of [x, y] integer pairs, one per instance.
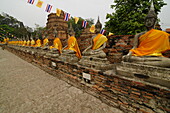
{"points": [[38, 43], [32, 43], [98, 41], [45, 42], [24, 43], [57, 44], [152, 43], [28, 43], [73, 45]]}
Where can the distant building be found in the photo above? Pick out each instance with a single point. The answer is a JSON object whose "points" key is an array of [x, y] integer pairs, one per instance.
{"points": [[58, 23]]}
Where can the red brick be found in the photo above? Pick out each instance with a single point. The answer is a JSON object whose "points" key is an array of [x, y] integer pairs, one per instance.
{"points": [[115, 89]]}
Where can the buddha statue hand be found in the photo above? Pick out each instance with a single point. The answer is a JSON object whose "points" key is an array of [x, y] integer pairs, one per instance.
{"points": [[127, 57]]}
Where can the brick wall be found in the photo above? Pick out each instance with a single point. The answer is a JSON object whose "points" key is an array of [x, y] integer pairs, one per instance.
{"points": [[127, 94]]}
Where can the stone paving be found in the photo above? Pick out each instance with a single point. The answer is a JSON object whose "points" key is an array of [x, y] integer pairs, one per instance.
{"points": [[24, 88]]}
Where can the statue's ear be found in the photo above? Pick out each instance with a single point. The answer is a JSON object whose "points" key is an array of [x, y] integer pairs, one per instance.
{"points": [[155, 23]]}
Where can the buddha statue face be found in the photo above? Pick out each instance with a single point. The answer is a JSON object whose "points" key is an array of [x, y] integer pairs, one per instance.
{"points": [[151, 17], [150, 22]]}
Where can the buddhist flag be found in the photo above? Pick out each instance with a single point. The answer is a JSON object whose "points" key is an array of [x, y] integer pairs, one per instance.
{"points": [[92, 29], [31, 1], [58, 12], [76, 19], [67, 16], [48, 8], [110, 34], [84, 24], [102, 31], [39, 4]]}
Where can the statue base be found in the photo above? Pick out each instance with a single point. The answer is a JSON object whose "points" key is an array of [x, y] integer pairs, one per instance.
{"points": [[147, 73], [70, 58], [96, 63]]}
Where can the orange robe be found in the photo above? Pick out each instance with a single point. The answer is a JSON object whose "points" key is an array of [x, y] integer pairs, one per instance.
{"points": [[98, 41], [32, 43], [73, 45], [45, 41], [152, 43], [28, 43], [57, 44], [38, 43]]}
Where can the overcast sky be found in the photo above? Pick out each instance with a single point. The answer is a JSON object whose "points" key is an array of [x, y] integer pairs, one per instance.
{"points": [[30, 14]]}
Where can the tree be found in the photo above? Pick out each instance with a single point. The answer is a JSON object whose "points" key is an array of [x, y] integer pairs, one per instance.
{"points": [[129, 16], [12, 26], [78, 27]]}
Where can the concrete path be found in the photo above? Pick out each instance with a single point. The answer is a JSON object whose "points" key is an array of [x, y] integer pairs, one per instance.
{"points": [[25, 88]]}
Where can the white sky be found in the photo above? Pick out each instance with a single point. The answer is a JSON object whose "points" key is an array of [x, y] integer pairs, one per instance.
{"points": [[30, 14]]}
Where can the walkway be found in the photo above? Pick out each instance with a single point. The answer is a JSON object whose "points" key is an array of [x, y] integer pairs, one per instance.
{"points": [[25, 88]]}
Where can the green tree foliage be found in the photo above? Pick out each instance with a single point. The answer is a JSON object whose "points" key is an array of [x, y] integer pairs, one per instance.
{"points": [[78, 27], [129, 16], [12, 27]]}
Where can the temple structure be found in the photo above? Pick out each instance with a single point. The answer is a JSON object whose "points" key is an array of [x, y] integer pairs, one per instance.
{"points": [[58, 23]]}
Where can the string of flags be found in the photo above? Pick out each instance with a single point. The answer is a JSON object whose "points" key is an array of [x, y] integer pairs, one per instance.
{"points": [[66, 15]]}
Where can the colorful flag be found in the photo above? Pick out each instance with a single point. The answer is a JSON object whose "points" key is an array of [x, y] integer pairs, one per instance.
{"points": [[92, 28], [76, 19], [102, 31], [67, 16], [58, 12], [31, 1], [39, 4], [48, 8], [84, 24], [110, 34]]}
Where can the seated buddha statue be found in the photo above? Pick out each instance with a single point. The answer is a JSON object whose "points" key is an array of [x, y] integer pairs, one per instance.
{"points": [[149, 45], [38, 43], [72, 45], [45, 41], [57, 45], [98, 43]]}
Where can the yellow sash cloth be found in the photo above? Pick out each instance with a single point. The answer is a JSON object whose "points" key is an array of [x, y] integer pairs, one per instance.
{"points": [[73, 45], [32, 43], [45, 41], [152, 43], [24, 43], [57, 44], [28, 43], [98, 41], [38, 43]]}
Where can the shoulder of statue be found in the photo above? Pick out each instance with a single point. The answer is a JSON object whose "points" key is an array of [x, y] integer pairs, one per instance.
{"points": [[140, 34]]}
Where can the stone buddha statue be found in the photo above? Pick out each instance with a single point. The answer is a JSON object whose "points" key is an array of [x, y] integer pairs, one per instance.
{"points": [[94, 56], [45, 45], [55, 49], [71, 52], [98, 43], [149, 45], [72, 45]]}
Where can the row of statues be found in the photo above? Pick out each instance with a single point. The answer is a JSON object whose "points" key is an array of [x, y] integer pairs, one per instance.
{"points": [[147, 49]]}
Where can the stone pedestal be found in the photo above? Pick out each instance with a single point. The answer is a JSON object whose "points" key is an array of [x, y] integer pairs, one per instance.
{"points": [[150, 74], [96, 63], [70, 58]]}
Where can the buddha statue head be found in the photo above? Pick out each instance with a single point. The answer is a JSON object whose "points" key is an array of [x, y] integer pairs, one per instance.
{"points": [[55, 33], [98, 26], [71, 30], [151, 17]]}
